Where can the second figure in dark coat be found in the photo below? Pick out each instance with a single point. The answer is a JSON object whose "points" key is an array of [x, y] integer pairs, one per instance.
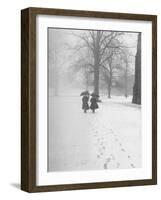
{"points": [[94, 104], [85, 105]]}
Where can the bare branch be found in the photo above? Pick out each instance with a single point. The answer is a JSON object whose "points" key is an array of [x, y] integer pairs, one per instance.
{"points": [[113, 36], [85, 39]]}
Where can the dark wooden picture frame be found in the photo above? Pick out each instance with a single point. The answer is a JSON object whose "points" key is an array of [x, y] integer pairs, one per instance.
{"points": [[28, 99]]}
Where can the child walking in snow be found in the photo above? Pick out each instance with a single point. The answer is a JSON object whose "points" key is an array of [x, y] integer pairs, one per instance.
{"points": [[94, 104], [85, 105]]}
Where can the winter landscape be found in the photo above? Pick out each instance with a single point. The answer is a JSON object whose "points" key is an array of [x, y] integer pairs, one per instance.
{"points": [[104, 66]]}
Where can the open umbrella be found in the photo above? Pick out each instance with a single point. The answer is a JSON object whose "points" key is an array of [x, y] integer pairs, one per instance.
{"points": [[84, 93], [94, 95]]}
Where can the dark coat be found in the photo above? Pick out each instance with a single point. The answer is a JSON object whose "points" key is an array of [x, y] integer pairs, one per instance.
{"points": [[85, 105], [94, 104]]}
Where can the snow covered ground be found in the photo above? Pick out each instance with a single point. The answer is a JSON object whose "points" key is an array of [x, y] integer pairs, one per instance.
{"points": [[108, 139]]}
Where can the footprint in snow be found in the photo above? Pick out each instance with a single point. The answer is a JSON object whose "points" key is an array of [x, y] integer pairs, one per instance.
{"points": [[123, 150], [105, 166], [98, 156], [132, 165]]}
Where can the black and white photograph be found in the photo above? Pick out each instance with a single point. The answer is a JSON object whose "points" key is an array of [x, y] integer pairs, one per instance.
{"points": [[89, 99], [94, 99]]}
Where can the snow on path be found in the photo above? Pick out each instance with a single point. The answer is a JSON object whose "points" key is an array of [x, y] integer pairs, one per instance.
{"points": [[107, 139]]}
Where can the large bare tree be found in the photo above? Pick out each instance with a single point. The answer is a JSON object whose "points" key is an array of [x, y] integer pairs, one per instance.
{"points": [[100, 43]]}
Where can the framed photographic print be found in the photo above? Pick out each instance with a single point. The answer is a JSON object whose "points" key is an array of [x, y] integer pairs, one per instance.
{"points": [[88, 99]]}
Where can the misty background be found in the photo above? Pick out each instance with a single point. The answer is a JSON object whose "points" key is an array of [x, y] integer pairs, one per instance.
{"points": [[71, 61]]}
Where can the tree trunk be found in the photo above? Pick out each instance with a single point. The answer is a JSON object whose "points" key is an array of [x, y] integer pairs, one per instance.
{"points": [[109, 91], [96, 64], [96, 79], [126, 95], [109, 84], [109, 80], [137, 85], [126, 80], [86, 79]]}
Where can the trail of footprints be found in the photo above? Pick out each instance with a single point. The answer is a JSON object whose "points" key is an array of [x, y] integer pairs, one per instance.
{"points": [[103, 147]]}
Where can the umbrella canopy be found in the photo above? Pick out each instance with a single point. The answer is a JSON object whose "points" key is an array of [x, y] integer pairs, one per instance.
{"points": [[84, 93], [94, 95]]}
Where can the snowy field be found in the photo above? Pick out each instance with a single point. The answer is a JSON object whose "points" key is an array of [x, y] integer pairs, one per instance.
{"points": [[108, 139]]}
